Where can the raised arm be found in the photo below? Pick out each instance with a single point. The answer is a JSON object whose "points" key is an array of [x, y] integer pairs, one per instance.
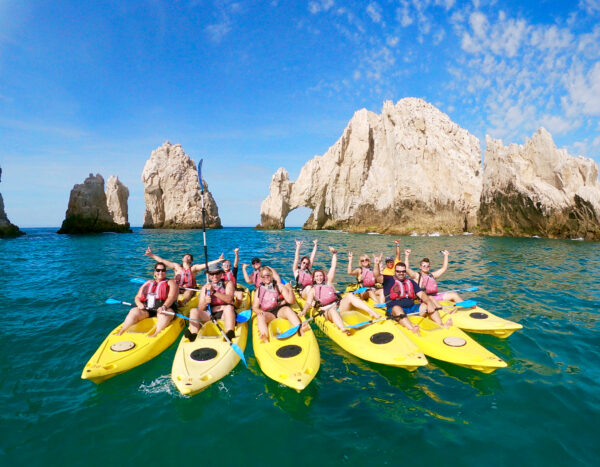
{"points": [[350, 271], [236, 260], [246, 276], [158, 259], [296, 258], [314, 252], [444, 267], [200, 267], [412, 274], [276, 276], [377, 268], [331, 273], [398, 258]]}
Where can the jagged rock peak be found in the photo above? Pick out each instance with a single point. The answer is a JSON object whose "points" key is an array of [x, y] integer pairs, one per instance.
{"points": [[538, 189], [409, 169], [88, 210], [7, 229], [117, 195], [172, 192]]}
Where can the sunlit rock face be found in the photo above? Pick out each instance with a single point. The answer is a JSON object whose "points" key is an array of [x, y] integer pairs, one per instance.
{"points": [[88, 210], [7, 229], [537, 189], [172, 192], [117, 195], [408, 169]]}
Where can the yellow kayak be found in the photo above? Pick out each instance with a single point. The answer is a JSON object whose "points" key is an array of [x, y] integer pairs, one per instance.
{"points": [[381, 342], [478, 320], [449, 344], [294, 361], [209, 358], [118, 354]]}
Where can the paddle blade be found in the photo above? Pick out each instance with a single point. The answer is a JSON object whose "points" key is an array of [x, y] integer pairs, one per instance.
{"points": [[200, 176], [289, 333], [467, 304], [360, 290], [358, 325], [472, 289], [240, 352], [380, 305], [112, 301], [243, 316], [137, 280]]}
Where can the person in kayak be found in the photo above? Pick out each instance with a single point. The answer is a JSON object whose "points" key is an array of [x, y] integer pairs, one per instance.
{"points": [[216, 301], [390, 261], [230, 274], [302, 273], [328, 301], [185, 273], [273, 301], [427, 280], [400, 294], [155, 298], [254, 278], [365, 276]]}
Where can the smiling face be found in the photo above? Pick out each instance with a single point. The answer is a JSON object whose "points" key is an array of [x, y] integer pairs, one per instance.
{"points": [[425, 266], [256, 265], [215, 277], [365, 262], [319, 277], [226, 265], [305, 263], [266, 276]]}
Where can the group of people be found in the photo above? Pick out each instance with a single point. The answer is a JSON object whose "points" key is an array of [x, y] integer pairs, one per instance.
{"points": [[396, 285]]}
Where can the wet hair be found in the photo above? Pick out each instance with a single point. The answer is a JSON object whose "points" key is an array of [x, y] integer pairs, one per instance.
{"points": [[425, 260]]}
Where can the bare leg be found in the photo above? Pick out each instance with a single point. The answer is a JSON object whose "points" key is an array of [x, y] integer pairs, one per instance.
{"points": [[452, 297], [397, 311], [334, 316], [162, 320], [351, 300], [185, 297], [135, 315], [195, 315], [228, 317], [305, 291], [262, 321]]}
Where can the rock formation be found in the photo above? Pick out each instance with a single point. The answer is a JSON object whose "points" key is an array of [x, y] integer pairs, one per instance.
{"points": [[7, 230], [410, 169], [172, 192], [88, 210], [537, 189], [117, 195]]}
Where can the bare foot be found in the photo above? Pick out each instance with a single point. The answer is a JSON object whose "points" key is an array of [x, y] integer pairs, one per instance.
{"points": [[415, 329], [448, 323], [264, 338]]}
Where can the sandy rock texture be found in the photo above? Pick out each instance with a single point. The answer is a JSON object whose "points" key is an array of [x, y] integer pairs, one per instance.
{"points": [[88, 210], [408, 169], [172, 192], [538, 189], [117, 195]]}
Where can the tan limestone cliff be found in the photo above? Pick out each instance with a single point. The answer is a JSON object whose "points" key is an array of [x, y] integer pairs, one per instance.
{"points": [[409, 169], [172, 192], [117, 195], [538, 189], [88, 211]]}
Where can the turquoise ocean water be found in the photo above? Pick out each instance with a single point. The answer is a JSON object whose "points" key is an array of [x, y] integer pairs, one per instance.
{"points": [[543, 409]]}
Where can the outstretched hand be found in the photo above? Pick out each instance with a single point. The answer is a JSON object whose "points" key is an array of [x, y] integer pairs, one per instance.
{"points": [[397, 242], [222, 257], [244, 266], [377, 259], [407, 252], [236, 250], [148, 252], [332, 250], [315, 241], [445, 252], [299, 243]]}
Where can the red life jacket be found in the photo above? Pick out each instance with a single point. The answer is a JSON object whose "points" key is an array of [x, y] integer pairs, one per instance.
{"points": [[367, 277], [186, 279], [220, 288], [161, 289], [402, 289], [255, 277], [268, 298], [428, 283], [304, 277], [230, 277], [325, 294]]}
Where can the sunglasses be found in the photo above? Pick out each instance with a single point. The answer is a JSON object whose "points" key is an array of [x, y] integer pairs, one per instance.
{"points": [[160, 270], [266, 277], [400, 272], [366, 260]]}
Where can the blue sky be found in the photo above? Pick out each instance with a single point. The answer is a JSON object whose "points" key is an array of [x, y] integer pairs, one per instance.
{"points": [[252, 86]]}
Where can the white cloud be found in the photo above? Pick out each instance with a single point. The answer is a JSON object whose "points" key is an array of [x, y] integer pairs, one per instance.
{"points": [[403, 14], [590, 6], [216, 32], [584, 88], [479, 23], [318, 6], [374, 11], [392, 41]]}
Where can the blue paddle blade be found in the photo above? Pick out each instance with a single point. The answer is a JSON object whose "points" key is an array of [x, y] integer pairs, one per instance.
{"points": [[289, 333], [358, 325], [466, 304], [240, 352], [472, 289], [243, 316], [380, 305], [112, 301], [360, 290], [137, 280]]}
